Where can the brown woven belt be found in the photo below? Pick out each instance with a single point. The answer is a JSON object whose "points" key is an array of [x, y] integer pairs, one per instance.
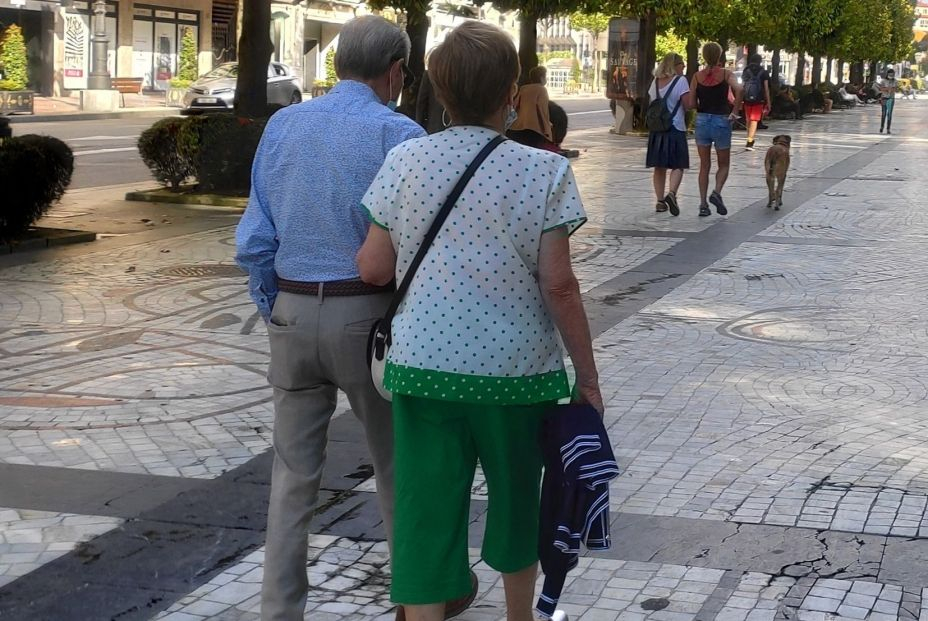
{"points": [[333, 287]]}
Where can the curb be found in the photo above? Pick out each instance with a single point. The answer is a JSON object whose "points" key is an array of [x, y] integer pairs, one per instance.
{"points": [[161, 195], [46, 238], [93, 116]]}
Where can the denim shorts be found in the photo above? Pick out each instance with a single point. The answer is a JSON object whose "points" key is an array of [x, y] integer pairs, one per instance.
{"points": [[713, 128]]}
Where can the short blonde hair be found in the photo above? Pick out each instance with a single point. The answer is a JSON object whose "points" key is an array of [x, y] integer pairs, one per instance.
{"points": [[537, 74], [473, 71], [668, 66], [712, 53]]}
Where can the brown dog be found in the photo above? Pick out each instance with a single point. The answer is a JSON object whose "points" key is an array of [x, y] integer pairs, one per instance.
{"points": [[775, 166]]}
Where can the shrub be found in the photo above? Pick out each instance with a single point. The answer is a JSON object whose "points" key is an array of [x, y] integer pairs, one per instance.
{"points": [[227, 146], [168, 148], [58, 164], [13, 59], [330, 75], [47, 164], [178, 83], [188, 70]]}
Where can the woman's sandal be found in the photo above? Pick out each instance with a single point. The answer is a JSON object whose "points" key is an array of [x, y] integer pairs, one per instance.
{"points": [[660, 207]]}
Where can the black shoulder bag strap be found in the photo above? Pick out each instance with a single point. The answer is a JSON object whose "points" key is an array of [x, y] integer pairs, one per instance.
{"points": [[670, 90], [432, 233]]}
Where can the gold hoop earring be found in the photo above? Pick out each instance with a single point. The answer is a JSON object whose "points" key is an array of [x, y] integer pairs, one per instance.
{"points": [[444, 121]]}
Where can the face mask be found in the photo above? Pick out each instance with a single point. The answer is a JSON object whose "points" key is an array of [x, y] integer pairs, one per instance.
{"points": [[511, 117]]}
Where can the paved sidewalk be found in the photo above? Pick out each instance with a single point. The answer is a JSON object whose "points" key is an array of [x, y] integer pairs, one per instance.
{"points": [[764, 377]]}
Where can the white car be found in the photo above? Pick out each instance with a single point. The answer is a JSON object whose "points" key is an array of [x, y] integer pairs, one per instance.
{"points": [[216, 90]]}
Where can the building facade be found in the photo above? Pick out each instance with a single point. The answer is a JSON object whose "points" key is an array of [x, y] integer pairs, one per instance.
{"points": [[143, 39]]}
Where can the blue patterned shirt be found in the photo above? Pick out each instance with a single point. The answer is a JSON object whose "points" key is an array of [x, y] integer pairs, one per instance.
{"points": [[304, 219]]}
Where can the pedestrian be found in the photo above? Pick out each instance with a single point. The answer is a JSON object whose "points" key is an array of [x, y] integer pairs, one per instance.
{"points": [[297, 240], [709, 91], [755, 81], [888, 88], [668, 150], [532, 126], [475, 360]]}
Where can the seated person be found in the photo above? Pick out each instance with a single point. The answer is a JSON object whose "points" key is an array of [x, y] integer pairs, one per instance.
{"points": [[532, 126], [813, 101], [847, 97], [785, 104]]}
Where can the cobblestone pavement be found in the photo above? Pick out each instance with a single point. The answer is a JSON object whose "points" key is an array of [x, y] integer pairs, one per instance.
{"points": [[764, 375]]}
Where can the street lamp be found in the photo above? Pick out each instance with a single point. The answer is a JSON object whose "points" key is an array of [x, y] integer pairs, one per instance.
{"points": [[99, 75]]}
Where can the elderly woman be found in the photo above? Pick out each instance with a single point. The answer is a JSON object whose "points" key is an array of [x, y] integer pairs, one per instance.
{"points": [[668, 151], [475, 360]]}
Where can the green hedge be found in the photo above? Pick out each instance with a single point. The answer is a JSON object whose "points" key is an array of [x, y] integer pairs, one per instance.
{"points": [[35, 171], [216, 150], [169, 150]]}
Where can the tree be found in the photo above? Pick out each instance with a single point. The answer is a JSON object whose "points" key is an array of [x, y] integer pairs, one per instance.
{"points": [[254, 55], [416, 23], [668, 42], [530, 11], [189, 68], [13, 59], [594, 24]]}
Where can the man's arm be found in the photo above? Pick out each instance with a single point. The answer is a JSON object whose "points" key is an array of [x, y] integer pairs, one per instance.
{"points": [[256, 242]]}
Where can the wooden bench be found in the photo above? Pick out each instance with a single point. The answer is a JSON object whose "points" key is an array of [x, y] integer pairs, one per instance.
{"points": [[131, 86]]}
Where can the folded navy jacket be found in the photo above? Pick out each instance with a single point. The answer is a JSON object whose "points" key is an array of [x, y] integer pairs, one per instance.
{"points": [[579, 463]]}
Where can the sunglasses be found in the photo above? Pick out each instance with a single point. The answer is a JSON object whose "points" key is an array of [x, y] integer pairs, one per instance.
{"points": [[408, 76]]}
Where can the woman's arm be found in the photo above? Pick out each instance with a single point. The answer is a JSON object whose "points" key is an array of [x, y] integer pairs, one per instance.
{"points": [[377, 259], [561, 294], [691, 96]]}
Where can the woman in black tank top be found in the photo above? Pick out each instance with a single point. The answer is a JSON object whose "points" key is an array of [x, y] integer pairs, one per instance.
{"points": [[709, 91]]}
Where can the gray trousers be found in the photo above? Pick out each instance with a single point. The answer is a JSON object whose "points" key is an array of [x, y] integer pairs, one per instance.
{"points": [[317, 346]]}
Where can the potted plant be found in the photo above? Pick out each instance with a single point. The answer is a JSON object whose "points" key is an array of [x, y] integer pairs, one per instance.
{"points": [[14, 97], [188, 72]]}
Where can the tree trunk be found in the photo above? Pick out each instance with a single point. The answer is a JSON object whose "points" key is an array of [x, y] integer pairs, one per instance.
{"points": [[828, 63], [775, 67], [528, 43], [692, 57], [254, 54], [752, 49], [816, 70], [417, 28], [857, 73], [839, 72], [871, 76], [647, 57], [800, 69]]}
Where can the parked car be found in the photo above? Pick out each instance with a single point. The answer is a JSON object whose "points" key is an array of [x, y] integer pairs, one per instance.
{"points": [[216, 90]]}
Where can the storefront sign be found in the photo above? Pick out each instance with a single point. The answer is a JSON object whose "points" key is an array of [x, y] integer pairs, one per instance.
{"points": [[76, 45], [188, 17], [165, 14]]}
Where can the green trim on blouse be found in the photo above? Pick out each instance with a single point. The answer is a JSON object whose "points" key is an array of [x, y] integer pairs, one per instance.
{"points": [[373, 219], [570, 225], [467, 388]]}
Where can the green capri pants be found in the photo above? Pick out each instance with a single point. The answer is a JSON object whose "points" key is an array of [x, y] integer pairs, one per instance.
{"points": [[437, 445]]}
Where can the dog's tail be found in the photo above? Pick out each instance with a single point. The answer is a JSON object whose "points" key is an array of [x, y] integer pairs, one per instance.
{"points": [[770, 165]]}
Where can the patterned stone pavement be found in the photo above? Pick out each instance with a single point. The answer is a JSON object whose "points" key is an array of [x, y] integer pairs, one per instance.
{"points": [[764, 375]]}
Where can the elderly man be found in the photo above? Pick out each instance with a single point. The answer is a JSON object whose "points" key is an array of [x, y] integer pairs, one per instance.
{"points": [[297, 240]]}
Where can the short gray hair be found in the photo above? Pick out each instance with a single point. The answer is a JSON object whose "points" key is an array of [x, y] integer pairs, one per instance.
{"points": [[367, 46]]}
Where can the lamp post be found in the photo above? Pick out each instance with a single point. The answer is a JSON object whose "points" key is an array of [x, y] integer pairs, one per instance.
{"points": [[99, 75]]}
